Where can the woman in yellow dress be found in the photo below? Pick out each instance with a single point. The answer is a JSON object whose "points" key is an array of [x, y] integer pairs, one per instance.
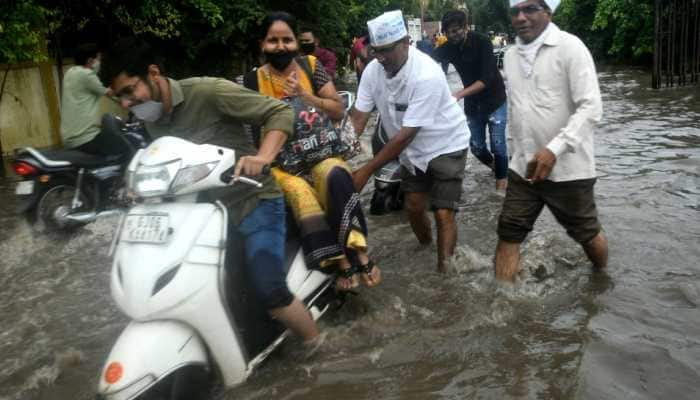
{"points": [[325, 205]]}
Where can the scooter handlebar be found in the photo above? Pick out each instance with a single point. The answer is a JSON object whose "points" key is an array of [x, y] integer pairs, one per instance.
{"points": [[228, 178]]}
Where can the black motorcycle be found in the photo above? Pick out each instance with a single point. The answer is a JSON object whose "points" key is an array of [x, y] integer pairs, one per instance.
{"points": [[387, 196], [62, 189]]}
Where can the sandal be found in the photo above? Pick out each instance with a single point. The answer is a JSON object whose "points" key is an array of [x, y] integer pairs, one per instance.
{"points": [[345, 280], [371, 274]]}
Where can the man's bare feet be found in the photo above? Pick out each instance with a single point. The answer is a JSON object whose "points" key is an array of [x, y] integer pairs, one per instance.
{"points": [[501, 184], [442, 268]]}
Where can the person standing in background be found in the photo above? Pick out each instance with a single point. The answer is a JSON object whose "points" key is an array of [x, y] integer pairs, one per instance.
{"points": [[310, 45], [484, 92], [554, 102]]}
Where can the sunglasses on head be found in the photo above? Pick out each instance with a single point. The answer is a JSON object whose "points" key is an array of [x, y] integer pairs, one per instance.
{"points": [[527, 10]]}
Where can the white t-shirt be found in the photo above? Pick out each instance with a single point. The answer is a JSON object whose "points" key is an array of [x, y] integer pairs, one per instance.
{"points": [[418, 96]]}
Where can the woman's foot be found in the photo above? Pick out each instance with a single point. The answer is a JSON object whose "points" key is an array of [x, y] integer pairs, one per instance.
{"points": [[370, 273], [347, 277]]}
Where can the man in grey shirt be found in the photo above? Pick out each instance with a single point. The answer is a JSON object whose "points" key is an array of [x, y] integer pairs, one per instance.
{"points": [[82, 90], [554, 104]]}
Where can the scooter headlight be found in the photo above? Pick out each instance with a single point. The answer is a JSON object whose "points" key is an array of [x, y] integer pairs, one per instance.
{"points": [[154, 180], [195, 173]]}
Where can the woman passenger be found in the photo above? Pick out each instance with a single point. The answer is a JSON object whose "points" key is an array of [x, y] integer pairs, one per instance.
{"points": [[325, 205]]}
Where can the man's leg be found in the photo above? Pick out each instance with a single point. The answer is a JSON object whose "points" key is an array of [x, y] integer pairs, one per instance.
{"points": [[446, 236], [497, 135], [507, 260], [477, 140], [415, 203], [597, 251], [521, 207], [298, 319], [573, 205], [264, 231]]}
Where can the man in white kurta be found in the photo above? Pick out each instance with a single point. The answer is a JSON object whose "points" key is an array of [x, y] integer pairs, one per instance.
{"points": [[554, 104], [427, 129]]}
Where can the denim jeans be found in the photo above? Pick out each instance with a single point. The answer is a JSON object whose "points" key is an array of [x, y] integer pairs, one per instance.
{"points": [[497, 157], [264, 231]]}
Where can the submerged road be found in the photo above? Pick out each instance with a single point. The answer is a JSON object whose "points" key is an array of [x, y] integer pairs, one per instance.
{"points": [[563, 334]]}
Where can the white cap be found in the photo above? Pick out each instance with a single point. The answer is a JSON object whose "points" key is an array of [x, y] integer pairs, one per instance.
{"points": [[552, 4], [387, 28]]}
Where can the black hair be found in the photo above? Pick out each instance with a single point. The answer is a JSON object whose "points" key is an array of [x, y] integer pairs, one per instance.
{"points": [[454, 17], [131, 56], [275, 16], [85, 52], [307, 28]]}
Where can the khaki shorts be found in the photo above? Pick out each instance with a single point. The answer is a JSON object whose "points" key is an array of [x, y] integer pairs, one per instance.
{"points": [[442, 181], [571, 203]]}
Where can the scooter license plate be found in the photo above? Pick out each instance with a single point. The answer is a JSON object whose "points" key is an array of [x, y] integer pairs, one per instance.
{"points": [[24, 188], [146, 228]]}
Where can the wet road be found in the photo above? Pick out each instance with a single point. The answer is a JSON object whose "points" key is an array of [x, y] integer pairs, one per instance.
{"points": [[633, 333]]}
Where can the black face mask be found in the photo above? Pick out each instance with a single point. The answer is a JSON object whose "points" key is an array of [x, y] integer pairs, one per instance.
{"points": [[280, 60], [308, 48], [456, 42]]}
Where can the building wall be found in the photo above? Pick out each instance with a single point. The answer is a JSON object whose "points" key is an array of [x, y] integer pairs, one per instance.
{"points": [[30, 107]]}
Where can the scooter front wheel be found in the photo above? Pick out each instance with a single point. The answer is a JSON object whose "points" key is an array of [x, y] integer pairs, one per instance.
{"points": [[190, 382]]}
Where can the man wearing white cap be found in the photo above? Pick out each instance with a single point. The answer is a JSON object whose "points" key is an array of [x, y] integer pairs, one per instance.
{"points": [[554, 104], [428, 130]]}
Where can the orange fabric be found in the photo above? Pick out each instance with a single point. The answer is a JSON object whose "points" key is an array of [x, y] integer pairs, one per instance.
{"points": [[273, 85]]}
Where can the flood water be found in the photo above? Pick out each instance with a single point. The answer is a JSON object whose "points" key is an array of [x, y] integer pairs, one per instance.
{"points": [[561, 333]]}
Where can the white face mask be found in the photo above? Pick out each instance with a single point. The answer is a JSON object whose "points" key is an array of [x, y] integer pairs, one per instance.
{"points": [[96, 66], [149, 111]]}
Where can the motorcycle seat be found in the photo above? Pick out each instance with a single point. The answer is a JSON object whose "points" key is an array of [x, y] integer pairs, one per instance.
{"points": [[56, 158]]}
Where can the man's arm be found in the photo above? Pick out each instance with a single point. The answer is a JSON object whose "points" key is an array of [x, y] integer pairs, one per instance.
{"points": [[487, 68], [359, 120], [270, 146], [274, 117], [391, 150], [470, 90], [253, 108], [93, 84]]}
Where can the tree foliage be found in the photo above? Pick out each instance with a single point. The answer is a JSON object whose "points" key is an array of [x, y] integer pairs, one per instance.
{"points": [[631, 23], [22, 31], [216, 36]]}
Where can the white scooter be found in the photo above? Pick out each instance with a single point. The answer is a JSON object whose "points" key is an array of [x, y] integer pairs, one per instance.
{"points": [[194, 315]]}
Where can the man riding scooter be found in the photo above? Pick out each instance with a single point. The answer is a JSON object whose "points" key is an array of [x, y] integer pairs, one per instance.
{"points": [[212, 111]]}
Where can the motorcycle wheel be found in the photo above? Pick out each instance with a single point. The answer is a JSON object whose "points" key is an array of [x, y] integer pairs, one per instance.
{"points": [[380, 203], [55, 202], [187, 383]]}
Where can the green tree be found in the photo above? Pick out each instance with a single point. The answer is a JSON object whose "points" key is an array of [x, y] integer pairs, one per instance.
{"points": [[576, 16], [22, 31], [631, 23], [489, 15]]}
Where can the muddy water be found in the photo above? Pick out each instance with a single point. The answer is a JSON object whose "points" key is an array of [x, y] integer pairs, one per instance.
{"points": [[561, 332]]}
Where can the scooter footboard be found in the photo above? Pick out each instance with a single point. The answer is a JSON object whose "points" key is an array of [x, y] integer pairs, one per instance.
{"points": [[147, 352]]}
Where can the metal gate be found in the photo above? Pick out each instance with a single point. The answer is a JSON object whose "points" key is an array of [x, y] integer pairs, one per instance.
{"points": [[676, 43]]}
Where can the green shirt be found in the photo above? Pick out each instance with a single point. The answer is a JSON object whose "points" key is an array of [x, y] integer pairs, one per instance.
{"points": [[213, 111], [79, 106]]}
